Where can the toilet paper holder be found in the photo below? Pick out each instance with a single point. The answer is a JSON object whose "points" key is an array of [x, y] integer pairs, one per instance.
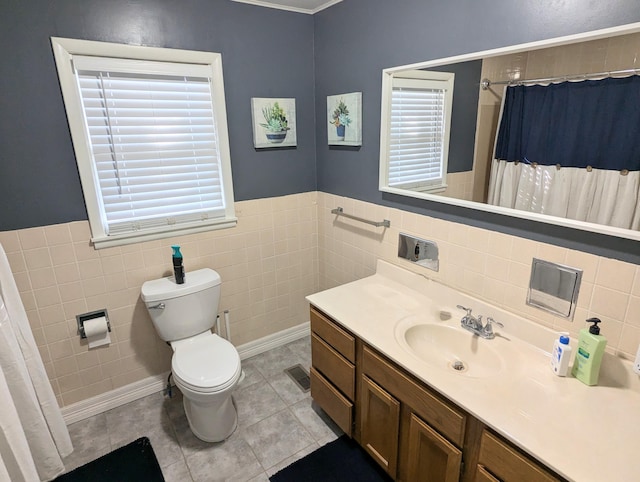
{"points": [[90, 316]]}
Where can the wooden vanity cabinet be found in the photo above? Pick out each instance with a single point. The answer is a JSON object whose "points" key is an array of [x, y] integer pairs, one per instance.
{"points": [[333, 377], [412, 432]]}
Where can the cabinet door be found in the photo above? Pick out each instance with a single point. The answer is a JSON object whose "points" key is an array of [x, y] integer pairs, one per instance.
{"points": [[431, 456], [379, 425]]}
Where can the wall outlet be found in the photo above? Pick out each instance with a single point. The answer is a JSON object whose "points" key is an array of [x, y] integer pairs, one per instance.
{"points": [[636, 363]]}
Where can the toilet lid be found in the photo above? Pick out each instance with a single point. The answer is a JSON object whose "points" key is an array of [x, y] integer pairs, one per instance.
{"points": [[206, 363]]}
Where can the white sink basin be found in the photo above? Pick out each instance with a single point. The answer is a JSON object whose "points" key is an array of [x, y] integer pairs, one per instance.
{"points": [[450, 347]]}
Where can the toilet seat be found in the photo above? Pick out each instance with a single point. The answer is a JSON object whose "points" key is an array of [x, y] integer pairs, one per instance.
{"points": [[206, 364]]}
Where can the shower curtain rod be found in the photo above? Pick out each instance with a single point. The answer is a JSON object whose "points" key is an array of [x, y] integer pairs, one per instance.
{"points": [[486, 83]]}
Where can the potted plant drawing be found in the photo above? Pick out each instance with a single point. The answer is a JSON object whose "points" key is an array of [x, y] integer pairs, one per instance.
{"points": [[276, 123], [340, 118]]}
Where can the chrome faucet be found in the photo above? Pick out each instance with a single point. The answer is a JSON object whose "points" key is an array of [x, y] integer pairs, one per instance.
{"points": [[474, 324], [469, 321]]}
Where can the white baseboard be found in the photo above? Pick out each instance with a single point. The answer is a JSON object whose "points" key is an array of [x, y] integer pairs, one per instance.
{"points": [[142, 388], [113, 398], [269, 342]]}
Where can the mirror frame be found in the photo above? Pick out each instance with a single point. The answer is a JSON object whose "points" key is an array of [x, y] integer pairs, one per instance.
{"points": [[387, 77]]}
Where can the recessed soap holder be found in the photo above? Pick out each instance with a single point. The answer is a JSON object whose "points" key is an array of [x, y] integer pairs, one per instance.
{"points": [[554, 288]]}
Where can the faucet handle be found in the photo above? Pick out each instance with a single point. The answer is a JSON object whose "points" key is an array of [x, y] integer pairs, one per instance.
{"points": [[491, 320], [468, 310], [487, 330]]}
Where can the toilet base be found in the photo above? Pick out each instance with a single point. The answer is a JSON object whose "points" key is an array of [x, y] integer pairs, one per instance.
{"points": [[212, 422]]}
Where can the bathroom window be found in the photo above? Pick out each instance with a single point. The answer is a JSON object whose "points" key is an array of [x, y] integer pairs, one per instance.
{"points": [[149, 131], [415, 139]]}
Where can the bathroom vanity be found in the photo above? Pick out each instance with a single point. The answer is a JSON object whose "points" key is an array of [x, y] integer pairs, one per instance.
{"points": [[430, 401]]}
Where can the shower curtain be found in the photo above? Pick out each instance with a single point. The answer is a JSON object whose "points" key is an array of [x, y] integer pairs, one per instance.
{"points": [[596, 196], [33, 434], [570, 150]]}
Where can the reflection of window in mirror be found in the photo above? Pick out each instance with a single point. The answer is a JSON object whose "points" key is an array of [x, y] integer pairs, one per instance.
{"points": [[415, 149], [471, 147]]}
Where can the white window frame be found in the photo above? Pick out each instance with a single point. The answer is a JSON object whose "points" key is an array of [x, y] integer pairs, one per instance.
{"points": [[64, 50], [429, 79]]}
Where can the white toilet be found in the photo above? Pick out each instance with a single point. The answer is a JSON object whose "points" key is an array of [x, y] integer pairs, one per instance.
{"points": [[205, 367]]}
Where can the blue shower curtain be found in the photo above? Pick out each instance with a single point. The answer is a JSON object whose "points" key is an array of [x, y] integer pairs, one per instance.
{"points": [[574, 124], [558, 130]]}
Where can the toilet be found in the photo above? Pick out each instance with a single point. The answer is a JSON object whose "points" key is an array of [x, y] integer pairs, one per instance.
{"points": [[205, 367]]}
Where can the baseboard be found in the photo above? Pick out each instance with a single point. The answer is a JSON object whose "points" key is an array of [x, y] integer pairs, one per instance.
{"points": [[142, 388], [269, 342], [113, 398]]}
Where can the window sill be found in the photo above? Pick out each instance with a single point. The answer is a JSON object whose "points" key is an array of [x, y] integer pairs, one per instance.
{"points": [[162, 233]]}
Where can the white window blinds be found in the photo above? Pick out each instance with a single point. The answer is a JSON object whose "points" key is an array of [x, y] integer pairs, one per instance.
{"points": [[154, 142], [418, 137]]}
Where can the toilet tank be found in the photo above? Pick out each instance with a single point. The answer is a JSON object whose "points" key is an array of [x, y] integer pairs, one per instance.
{"points": [[185, 310]]}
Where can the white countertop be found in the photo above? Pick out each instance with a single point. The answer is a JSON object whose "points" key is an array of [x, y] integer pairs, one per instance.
{"points": [[583, 433]]}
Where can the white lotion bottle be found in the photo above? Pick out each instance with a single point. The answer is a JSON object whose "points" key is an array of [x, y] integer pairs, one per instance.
{"points": [[560, 356]]}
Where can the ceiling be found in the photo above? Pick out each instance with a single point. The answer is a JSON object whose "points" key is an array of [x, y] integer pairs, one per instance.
{"points": [[300, 6]]}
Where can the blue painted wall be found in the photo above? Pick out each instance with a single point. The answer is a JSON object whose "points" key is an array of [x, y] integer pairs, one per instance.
{"points": [[268, 53], [265, 53], [356, 39]]}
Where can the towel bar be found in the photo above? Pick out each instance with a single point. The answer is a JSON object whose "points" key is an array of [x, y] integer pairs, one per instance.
{"points": [[340, 212]]}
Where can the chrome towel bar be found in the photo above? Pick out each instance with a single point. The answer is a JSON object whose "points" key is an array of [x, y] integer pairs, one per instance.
{"points": [[340, 212]]}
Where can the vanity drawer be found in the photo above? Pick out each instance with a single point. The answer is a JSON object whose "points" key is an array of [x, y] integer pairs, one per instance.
{"points": [[508, 464], [333, 366], [444, 417], [339, 339], [332, 401], [482, 475]]}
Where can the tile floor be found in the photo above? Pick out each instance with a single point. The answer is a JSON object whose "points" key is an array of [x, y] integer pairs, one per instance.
{"points": [[277, 424]]}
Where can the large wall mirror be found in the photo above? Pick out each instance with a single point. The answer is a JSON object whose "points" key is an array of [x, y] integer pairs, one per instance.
{"points": [[473, 177]]}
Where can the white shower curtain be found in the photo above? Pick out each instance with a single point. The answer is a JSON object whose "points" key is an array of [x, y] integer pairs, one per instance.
{"points": [[596, 196], [33, 435]]}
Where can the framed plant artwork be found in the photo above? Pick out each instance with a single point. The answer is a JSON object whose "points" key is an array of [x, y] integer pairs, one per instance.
{"points": [[344, 113], [274, 122]]}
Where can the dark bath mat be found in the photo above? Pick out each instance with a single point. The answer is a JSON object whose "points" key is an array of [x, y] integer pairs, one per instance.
{"points": [[341, 460], [134, 462]]}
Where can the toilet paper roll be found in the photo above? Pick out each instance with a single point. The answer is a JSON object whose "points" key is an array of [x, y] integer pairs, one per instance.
{"points": [[97, 332]]}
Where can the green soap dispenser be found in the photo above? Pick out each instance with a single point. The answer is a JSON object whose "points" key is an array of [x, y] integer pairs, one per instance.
{"points": [[591, 344]]}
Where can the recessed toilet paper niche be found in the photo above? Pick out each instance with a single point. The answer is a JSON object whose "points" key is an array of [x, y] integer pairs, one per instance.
{"points": [[94, 327]]}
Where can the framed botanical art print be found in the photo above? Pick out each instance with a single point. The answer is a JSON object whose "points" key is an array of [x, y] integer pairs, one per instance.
{"points": [[344, 113], [274, 122]]}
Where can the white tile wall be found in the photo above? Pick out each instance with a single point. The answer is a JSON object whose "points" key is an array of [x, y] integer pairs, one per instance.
{"points": [[486, 264], [268, 264], [282, 249]]}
